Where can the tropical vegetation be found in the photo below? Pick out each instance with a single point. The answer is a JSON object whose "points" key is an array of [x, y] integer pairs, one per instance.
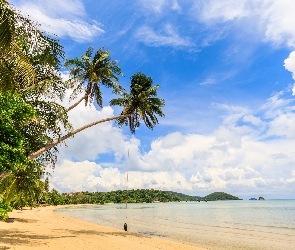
{"points": [[33, 123], [53, 197], [220, 196], [118, 196]]}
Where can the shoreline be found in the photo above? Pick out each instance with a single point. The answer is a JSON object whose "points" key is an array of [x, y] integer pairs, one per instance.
{"points": [[42, 228]]}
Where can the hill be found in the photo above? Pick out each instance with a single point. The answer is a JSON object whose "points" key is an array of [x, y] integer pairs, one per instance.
{"points": [[184, 197], [220, 196]]}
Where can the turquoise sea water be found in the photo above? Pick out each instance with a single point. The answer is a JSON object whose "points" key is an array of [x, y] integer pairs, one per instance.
{"points": [[268, 224]]}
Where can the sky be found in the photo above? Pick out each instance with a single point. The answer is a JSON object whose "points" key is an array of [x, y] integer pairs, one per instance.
{"points": [[226, 70]]}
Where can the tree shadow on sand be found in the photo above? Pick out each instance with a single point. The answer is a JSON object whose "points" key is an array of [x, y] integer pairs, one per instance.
{"points": [[15, 237], [24, 220], [100, 233]]}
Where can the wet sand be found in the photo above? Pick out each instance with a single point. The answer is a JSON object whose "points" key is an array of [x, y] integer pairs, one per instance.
{"points": [[42, 228]]}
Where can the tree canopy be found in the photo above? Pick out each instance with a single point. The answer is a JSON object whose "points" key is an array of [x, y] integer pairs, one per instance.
{"points": [[220, 196], [32, 121], [15, 114]]}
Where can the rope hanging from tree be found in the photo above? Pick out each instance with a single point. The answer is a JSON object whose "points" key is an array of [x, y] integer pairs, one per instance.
{"points": [[125, 224]]}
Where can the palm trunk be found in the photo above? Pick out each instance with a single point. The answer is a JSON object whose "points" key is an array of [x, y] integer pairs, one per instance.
{"points": [[3, 175], [76, 103], [49, 146]]}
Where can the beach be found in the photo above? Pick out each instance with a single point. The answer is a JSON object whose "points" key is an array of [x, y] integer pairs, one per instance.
{"points": [[216, 225], [42, 228]]}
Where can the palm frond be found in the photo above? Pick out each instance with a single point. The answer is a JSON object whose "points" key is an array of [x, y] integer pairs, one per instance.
{"points": [[93, 71], [7, 27]]}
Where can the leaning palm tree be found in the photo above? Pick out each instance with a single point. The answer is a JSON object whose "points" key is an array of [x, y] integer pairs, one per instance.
{"points": [[142, 104], [88, 73]]}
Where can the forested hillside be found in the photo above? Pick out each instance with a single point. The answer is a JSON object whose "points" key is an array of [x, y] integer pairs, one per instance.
{"points": [[217, 196]]}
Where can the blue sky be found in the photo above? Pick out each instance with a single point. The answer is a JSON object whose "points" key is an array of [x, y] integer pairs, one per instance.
{"points": [[226, 71]]}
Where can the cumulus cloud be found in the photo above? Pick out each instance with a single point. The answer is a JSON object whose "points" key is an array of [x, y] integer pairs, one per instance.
{"points": [[280, 22], [234, 158], [283, 125], [62, 18], [241, 155], [94, 140], [85, 175], [289, 63]]}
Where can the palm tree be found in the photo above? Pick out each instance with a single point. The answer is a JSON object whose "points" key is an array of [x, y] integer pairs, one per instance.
{"points": [[140, 104], [25, 51], [88, 73], [14, 64], [24, 186]]}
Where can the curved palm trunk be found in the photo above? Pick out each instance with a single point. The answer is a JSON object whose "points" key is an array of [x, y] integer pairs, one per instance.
{"points": [[76, 103], [49, 146], [3, 175]]}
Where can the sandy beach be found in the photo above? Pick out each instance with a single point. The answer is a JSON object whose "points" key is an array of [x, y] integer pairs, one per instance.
{"points": [[42, 228]]}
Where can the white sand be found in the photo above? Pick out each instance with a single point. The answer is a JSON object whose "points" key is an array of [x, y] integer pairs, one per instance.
{"points": [[41, 228]]}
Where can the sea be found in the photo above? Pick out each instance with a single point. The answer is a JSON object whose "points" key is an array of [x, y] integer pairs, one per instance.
{"points": [[215, 225]]}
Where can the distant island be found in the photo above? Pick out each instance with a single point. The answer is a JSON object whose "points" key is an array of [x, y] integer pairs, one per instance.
{"points": [[260, 199], [220, 196], [128, 196]]}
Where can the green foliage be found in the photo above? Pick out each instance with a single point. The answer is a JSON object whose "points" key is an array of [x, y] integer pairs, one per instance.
{"points": [[141, 103], [29, 66], [88, 73], [26, 52], [55, 198], [14, 115], [24, 187], [216, 196], [119, 196], [4, 209], [31, 118], [185, 197]]}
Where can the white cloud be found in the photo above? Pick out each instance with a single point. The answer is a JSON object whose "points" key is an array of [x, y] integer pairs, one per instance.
{"points": [[175, 5], [252, 119], [88, 144], [154, 5], [62, 18], [85, 175], [208, 81], [234, 158], [158, 6], [273, 20], [283, 125], [226, 10], [275, 105], [73, 176], [168, 36], [289, 63], [280, 22]]}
